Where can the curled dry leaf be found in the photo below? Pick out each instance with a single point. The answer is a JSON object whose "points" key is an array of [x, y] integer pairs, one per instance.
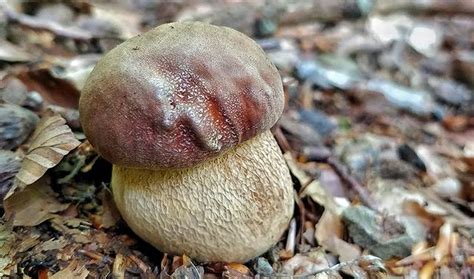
{"points": [[50, 142]]}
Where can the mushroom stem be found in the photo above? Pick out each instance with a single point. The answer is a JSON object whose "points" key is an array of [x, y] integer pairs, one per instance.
{"points": [[231, 208]]}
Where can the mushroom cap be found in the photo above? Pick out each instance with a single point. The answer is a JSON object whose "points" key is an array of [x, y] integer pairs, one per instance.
{"points": [[179, 94]]}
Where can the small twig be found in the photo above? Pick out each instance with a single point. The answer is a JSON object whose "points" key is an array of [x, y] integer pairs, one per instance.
{"points": [[281, 138], [364, 195], [304, 186], [368, 262], [75, 170], [195, 270], [452, 210], [324, 155], [302, 212], [290, 240], [311, 216], [422, 256], [92, 255], [141, 265]]}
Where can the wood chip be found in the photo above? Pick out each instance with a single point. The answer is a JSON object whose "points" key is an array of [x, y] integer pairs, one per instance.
{"points": [[75, 270]]}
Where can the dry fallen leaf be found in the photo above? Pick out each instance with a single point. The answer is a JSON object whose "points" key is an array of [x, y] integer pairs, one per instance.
{"points": [[73, 270], [307, 264], [329, 233], [53, 244], [50, 142], [110, 214], [33, 205], [12, 53], [240, 268]]}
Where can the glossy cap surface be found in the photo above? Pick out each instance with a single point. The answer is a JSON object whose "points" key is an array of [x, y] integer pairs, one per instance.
{"points": [[179, 94]]}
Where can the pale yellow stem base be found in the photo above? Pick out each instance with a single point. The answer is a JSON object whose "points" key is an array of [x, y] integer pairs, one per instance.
{"points": [[232, 208]]}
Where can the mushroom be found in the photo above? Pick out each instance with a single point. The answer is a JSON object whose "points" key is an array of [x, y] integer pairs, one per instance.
{"points": [[184, 113]]}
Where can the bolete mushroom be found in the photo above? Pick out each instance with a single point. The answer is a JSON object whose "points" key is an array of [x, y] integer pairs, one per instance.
{"points": [[184, 113]]}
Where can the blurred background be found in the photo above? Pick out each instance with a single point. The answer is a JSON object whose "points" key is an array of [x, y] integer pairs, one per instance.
{"points": [[379, 113]]}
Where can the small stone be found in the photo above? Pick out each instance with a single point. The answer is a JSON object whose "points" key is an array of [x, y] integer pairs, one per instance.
{"points": [[319, 121], [16, 124], [448, 187], [384, 237], [58, 12], [329, 72], [451, 92], [9, 166], [407, 154], [265, 27], [263, 267], [15, 92], [418, 102]]}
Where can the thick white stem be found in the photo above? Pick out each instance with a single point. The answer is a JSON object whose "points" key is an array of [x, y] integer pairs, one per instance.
{"points": [[231, 208]]}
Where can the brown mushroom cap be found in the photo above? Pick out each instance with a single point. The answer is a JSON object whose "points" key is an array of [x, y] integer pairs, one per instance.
{"points": [[179, 94]]}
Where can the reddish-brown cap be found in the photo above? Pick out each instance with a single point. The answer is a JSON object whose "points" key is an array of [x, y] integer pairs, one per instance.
{"points": [[179, 94]]}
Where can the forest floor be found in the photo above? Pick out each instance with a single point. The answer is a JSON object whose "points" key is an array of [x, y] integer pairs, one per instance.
{"points": [[378, 132]]}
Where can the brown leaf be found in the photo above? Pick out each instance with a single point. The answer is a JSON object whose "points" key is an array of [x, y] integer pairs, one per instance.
{"points": [[110, 213], [33, 206], [239, 268], [50, 142], [456, 123]]}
